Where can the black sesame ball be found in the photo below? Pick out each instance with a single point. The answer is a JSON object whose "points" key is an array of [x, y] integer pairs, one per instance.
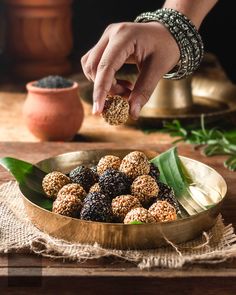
{"points": [[83, 176], [114, 183], [166, 193], [97, 207], [53, 82], [154, 172], [98, 197], [94, 169]]}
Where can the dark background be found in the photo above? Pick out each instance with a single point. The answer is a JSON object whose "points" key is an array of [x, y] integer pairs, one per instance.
{"points": [[218, 29], [91, 17]]}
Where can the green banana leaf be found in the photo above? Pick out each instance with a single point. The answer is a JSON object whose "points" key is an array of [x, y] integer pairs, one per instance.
{"points": [[136, 222], [30, 179], [174, 174]]}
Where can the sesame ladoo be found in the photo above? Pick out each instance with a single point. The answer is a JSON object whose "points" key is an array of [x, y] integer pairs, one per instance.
{"points": [[107, 162], [114, 183], [94, 169], [83, 176], [135, 164], [166, 193], [116, 110], [144, 188], [97, 207], [163, 211], [74, 189], [69, 205], [154, 172], [115, 190], [140, 215], [121, 205], [53, 182], [95, 188]]}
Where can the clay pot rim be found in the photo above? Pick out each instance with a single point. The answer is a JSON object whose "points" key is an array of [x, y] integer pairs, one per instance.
{"points": [[31, 88]]}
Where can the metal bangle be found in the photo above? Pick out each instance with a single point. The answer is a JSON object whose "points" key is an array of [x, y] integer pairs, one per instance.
{"points": [[186, 35]]}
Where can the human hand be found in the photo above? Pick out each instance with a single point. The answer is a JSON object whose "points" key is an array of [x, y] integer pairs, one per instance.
{"points": [[149, 45]]}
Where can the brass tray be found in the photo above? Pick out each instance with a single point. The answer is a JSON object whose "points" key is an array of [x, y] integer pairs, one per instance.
{"points": [[117, 235]]}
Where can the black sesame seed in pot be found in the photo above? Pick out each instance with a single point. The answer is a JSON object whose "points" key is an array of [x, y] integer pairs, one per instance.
{"points": [[114, 183], [53, 82], [83, 176]]}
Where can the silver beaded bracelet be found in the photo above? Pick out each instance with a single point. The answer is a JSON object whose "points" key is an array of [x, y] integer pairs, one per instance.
{"points": [[186, 35]]}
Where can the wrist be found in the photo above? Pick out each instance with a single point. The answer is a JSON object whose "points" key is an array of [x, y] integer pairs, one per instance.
{"points": [[186, 35], [165, 37], [193, 10]]}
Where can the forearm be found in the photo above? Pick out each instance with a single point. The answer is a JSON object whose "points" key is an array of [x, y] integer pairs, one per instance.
{"points": [[195, 10]]}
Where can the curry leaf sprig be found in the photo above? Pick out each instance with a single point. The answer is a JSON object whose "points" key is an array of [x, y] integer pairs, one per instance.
{"points": [[215, 141]]}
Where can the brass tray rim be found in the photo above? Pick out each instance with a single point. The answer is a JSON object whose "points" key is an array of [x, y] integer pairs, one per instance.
{"points": [[231, 110]]}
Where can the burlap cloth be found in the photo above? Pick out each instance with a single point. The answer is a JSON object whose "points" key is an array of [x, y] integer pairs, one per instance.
{"points": [[17, 233]]}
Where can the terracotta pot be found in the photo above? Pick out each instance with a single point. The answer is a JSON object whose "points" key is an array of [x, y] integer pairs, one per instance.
{"points": [[53, 114], [39, 37]]}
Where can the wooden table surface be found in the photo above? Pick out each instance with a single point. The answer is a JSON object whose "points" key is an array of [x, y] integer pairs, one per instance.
{"points": [[108, 275]]}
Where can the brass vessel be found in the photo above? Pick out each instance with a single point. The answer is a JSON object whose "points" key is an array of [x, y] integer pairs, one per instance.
{"points": [[171, 96], [208, 92], [131, 236]]}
